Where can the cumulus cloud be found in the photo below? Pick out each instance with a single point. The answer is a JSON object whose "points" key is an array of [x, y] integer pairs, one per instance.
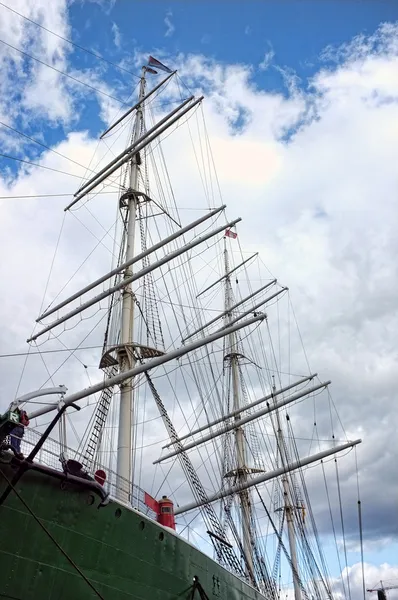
{"points": [[27, 84], [386, 573]]}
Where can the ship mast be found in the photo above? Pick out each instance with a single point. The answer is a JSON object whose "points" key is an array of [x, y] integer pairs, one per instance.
{"points": [[288, 507], [241, 471], [125, 353]]}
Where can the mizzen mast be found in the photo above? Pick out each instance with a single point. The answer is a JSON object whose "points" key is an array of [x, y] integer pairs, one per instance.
{"points": [[288, 508], [240, 472]]}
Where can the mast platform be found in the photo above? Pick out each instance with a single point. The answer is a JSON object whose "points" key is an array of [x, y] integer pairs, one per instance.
{"points": [[110, 357]]}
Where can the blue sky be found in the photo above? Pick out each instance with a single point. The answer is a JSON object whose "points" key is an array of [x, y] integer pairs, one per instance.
{"points": [[235, 31]]}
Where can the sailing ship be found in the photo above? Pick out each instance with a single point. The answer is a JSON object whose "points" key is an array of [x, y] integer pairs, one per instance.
{"points": [[186, 350]]}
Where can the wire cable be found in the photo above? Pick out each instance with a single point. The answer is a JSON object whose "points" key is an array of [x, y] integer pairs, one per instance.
{"points": [[43, 145], [70, 41], [360, 527], [342, 528], [46, 531], [46, 195], [28, 162], [62, 73]]}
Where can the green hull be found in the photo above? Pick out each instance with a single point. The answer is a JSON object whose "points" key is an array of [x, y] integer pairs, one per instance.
{"points": [[125, 555]]}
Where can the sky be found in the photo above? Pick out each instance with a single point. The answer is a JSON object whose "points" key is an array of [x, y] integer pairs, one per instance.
{"points": [[301, 108]]}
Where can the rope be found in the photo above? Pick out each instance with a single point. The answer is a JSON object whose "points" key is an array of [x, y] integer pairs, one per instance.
{"points": [[198, 586], [333, 527], [342, 527], [69, 41], [360, 529], [74, 565], [280, 540]]}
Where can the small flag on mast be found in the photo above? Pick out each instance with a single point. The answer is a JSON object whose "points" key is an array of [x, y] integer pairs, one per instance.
{"points": [[231, 234], [153, 62], [149, 70]]}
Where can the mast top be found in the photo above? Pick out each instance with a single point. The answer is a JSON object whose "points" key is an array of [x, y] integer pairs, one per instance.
{"points": [[144, 70]]}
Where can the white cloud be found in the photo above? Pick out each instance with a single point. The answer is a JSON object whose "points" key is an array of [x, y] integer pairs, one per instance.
{"points": [[386, 573], [42, 89], [169, 24], [268, 58], [106, 5], [117, 36]]}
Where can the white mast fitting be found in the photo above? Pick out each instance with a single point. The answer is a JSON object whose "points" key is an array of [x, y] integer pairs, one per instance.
{"points": [[61, 390]]}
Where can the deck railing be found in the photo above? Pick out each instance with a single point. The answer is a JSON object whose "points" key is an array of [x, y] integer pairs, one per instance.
{"points": [[50, 456]]}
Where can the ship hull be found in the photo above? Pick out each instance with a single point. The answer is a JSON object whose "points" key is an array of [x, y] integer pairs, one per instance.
{"points": [[123, 554]]}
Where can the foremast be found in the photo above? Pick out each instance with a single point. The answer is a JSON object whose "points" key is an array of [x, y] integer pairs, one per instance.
{"points": [[125, 354]]}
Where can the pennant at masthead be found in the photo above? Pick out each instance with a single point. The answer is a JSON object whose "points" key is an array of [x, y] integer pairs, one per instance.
{"points": [[153, 62]]}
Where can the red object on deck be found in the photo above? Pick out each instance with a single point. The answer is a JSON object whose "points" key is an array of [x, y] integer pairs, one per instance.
{"points": [[100, 476], [166, 513], [152, 503]]}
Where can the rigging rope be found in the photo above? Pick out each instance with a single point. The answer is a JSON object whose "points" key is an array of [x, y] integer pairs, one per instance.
{"points": [[70, 41], [198, 587], [313, 523], [44, 145], [360, 528], [282, 544], [342, 527], [61, 72], [333, 527], [222, 550], [28, 162], [46, 531]]}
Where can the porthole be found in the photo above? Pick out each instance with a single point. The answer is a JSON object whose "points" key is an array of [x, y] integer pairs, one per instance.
{"points": [[141, 525], [118, 513], [161, 536], [90, 499]]}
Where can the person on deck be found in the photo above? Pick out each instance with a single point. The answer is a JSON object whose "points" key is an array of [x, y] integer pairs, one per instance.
{"points": [[17, 433]]}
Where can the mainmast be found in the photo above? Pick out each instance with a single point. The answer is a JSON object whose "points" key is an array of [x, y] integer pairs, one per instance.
{"points": [[125, 352], [241, 471]]}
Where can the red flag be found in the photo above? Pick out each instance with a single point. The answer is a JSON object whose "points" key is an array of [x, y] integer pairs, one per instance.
{"points": [[149, 70], [231, 234]]}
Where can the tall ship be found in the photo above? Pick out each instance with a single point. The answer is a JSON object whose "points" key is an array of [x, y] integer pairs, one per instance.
{"points": [[178, 470]]}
